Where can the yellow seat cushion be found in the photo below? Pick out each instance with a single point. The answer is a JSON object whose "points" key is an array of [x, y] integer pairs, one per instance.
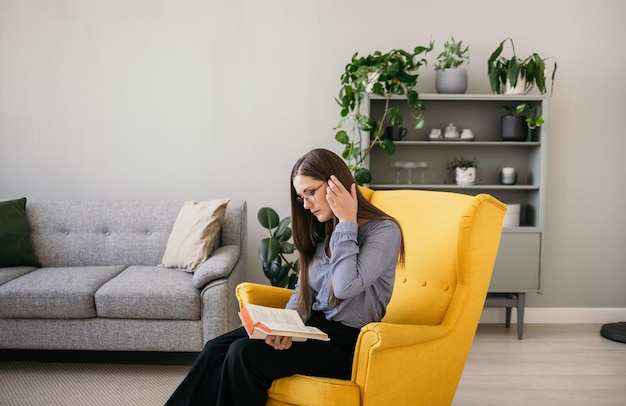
{"points": [[308, 390]]}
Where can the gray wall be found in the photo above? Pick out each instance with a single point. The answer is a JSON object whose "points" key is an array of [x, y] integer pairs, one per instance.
{"points": [[147, 99]]}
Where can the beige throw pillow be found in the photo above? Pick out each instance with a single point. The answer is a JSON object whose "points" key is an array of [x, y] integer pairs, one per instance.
{"points": [[194, 233]]}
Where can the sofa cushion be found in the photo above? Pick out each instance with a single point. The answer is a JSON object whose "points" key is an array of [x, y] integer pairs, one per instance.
{"points": [[55, 293], [149, 292], [15, 246], [194, 233], [100, 232], [10, 273]]}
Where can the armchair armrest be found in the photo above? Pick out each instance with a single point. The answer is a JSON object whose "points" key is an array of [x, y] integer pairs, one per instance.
{"points": [[265, 295], [389, 335], [218, 265], [430, 356]]}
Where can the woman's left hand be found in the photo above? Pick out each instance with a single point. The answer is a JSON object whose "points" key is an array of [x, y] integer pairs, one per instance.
{"points": [[344, 204], [278, 342]]}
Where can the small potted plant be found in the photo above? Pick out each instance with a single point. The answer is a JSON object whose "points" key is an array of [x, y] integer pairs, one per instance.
{"points": [[272, 250], [389, 74], [450, 77], [519, 119], [517, 75], [464, 169]]}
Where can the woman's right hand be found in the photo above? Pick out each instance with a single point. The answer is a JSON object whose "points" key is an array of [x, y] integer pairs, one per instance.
{"points": [[279, 342], [342, 202]]}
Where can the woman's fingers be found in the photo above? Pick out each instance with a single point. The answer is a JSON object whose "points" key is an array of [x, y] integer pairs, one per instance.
{"points": [[342, 202], [335, 188], [278, 342]]}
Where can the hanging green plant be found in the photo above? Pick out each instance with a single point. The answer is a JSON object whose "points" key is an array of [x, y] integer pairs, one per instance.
{"points": [[394, 73]]}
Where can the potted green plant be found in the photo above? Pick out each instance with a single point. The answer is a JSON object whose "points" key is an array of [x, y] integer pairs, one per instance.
{"points": [[518, 75], [449, 76], [276, 266], [464, 170], [389, 74], [515, 125]]}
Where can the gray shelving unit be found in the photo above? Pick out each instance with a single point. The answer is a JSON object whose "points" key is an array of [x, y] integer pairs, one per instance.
{"points": [[518, 264]]}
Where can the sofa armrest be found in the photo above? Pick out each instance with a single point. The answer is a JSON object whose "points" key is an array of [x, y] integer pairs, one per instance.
{"points": [[218, 265], [265, 295]]}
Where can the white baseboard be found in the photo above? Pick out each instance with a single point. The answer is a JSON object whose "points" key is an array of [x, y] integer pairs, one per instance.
{"points": [[557, 315]]}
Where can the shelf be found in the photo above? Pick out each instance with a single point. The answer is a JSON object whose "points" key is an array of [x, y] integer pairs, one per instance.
{"points": [[469, 97], [469, 143], [421, 186]]}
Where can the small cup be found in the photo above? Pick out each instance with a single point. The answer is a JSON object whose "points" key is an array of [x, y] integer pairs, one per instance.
{"points": [[467, 134], [395, 133], [435, 134]]}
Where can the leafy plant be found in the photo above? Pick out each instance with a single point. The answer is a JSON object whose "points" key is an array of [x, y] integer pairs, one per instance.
{"points": [[533, 120], [276, 267], [453, 55], [462, 163], [386, 75], [532, 69]]}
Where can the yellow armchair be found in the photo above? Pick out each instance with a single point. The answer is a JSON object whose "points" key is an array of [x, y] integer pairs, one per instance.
{"points": [[416, 355]]}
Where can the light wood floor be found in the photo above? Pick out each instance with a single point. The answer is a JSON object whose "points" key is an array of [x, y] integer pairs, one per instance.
{"points": [[553, 365]]}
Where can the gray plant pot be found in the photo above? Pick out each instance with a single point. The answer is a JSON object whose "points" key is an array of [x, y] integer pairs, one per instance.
{"points": [[451, 80], [514, 128]]}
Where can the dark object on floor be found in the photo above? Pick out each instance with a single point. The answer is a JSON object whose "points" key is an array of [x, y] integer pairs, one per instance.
{"points": [[614, 331]]}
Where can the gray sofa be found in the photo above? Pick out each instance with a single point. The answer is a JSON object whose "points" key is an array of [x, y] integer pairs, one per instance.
{"points": [[100, 287]]}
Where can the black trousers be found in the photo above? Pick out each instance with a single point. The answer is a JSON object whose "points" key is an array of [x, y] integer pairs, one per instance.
{"points": [[233, 370]]}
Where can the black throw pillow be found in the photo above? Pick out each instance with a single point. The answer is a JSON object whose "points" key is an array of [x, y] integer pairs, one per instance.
{"points": [[15, 246]]}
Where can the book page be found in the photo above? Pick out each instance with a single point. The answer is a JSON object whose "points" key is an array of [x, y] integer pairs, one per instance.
{"points": [[271, 315]]}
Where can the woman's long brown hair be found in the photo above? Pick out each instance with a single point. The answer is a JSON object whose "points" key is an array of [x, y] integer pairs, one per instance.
{"points": [[307, 230]]}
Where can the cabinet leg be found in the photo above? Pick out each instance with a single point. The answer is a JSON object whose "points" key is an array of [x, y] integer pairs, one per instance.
{"points": [[509, 297], [521, 302], [509, 301], [508, 317]]}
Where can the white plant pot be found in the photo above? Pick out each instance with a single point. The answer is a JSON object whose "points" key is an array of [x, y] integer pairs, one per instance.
{"points": [[465, 176], [520, 87]]}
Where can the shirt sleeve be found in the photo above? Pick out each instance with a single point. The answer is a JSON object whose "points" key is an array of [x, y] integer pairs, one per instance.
{"points": [[293, 300], [357, 265]]}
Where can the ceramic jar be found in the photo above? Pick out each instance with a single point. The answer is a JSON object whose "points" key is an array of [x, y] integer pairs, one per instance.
{"points": [[451, 131]]}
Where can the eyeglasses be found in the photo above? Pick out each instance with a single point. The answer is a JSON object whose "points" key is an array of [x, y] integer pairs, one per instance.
{"points": [[309, 196]]}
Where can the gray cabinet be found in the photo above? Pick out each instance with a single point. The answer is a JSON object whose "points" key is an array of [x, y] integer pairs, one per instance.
{"points": [[518, 264]]}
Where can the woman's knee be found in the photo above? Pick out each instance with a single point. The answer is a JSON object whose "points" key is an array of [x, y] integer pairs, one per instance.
{"points": [[248, 356], [240, 349]]}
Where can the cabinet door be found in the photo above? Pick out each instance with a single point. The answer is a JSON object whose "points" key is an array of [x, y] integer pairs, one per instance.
{"points": [[517, 267]]}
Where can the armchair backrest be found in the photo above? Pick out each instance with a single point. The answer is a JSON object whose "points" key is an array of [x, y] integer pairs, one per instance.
{"points": [[445, 246]]}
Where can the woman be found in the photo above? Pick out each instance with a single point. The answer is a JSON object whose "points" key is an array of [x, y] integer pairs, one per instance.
{"points": [[348, 254]]}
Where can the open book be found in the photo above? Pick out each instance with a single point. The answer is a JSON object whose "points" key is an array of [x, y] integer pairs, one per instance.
{"points": [[261, 321]]}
